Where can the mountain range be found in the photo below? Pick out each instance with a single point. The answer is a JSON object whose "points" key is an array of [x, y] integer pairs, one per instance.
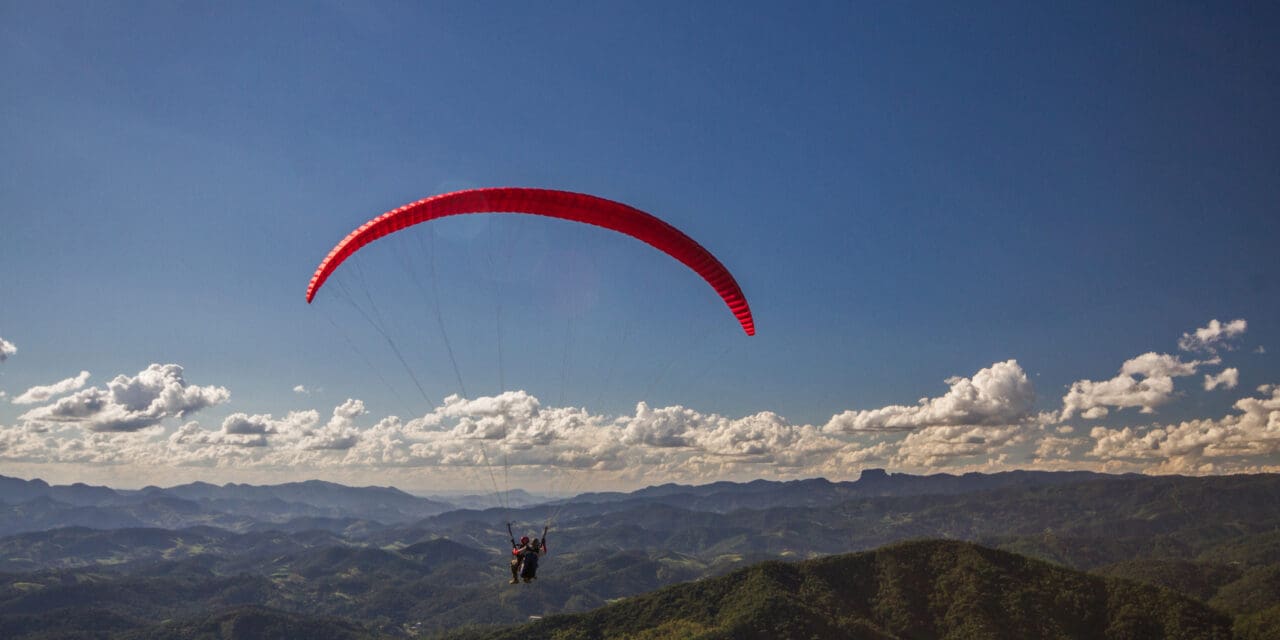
{"points": [[1214, 541], [34, 505]]}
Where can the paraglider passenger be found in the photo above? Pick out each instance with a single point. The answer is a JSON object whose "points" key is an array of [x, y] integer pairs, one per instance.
{"points": [[517, 553]]}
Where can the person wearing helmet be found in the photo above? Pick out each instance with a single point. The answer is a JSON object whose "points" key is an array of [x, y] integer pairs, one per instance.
{"points": [[517, 553]]}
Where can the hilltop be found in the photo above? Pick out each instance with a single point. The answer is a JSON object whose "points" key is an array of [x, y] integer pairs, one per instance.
{"points": [[919, 590]]}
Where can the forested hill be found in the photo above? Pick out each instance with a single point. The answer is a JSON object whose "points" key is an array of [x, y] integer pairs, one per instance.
{"points": [[917, 590]]}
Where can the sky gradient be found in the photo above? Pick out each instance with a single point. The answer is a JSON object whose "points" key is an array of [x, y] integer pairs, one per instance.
{"points": [[974, 237]]}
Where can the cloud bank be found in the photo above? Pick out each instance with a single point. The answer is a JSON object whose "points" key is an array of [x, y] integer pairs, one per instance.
{"points": [[987, 420], [1201, 446]]}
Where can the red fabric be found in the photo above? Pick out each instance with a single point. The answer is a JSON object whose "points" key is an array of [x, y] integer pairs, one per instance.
{"points": [[577, 207]]}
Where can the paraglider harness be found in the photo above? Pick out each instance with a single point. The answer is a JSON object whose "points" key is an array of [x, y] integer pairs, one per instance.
{"points": [[525, 563]]}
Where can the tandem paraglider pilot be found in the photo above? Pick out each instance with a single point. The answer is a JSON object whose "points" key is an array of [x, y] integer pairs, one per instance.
{"points": [[524, 560]]}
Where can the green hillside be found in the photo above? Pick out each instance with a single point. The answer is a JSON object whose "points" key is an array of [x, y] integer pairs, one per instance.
{"points": [[252, 623], [916, 590]]}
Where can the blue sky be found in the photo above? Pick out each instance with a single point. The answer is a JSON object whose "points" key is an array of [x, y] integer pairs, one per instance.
{"points": [[907, 192]]}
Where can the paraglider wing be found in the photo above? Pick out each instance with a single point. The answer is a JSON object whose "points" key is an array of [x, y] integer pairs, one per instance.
{"points": [[565, 205]]}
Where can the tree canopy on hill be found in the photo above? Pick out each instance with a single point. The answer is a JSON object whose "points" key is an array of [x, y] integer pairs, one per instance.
{"points": [[917, 590], [252, 623]]}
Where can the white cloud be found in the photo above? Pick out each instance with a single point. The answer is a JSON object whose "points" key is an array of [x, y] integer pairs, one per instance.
{"points": [[296, 423], [240, 423], [192, 436], [483, 432], [1204, 445], [765, 437], [1161, 365], [301, 390], [937, 446], [131, 403], [664, 427], [491, 417], [997, 395], [45, 392], [1144, 382], [1052, 448], [1209, 338], [6, 349], [239, 436], [1228, 379], [24, 444], [339, 433], [855, 455]]}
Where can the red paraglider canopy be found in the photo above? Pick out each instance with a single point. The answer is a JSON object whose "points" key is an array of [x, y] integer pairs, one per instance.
{"points": [[565, 205]]}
